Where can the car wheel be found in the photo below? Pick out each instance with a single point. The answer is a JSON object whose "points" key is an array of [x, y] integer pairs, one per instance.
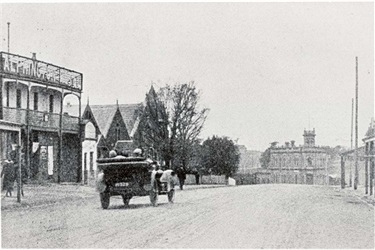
{"points": [[171, 196], [126, 200], [154, 198], [104, 199]]}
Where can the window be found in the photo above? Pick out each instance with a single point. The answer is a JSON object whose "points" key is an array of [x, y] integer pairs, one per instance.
{"points": [[18, 98], [117, 132], [7, 93], [36, 101], [51, 99], [85, 162], [92, 163]]}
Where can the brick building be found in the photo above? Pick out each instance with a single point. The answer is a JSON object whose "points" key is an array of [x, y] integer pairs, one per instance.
{"points": [[106, 127]]}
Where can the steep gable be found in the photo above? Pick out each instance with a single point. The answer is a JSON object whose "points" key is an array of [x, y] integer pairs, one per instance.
{"points": [[103, 115], [131, 113], [116, 130]]}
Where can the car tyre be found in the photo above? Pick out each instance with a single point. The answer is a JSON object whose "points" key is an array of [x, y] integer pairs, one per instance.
{"points": [[126, 200], [104, 199], [154, 197], [171, 196]]}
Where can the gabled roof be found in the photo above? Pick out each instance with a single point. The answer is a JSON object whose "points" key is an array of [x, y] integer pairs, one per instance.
{"points": [[370, 133], [104, 114], [130, 113]]}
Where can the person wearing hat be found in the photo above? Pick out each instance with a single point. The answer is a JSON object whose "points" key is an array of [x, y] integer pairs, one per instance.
{"points": [[181, 177]]}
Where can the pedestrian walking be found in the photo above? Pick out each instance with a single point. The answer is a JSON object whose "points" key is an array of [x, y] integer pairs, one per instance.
{"points": [[8, 177], [181, 177]]}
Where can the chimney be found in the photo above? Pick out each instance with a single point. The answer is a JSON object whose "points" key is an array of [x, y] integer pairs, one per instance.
{"points": [[34, 56], [293, 143]]}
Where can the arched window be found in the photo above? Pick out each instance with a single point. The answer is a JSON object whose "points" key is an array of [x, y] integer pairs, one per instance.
{"points": [[90, 131]]}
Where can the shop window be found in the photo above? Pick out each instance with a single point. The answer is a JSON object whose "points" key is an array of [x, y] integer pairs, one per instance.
{"points": [[35, 137], [36, 100], [19, 98]]}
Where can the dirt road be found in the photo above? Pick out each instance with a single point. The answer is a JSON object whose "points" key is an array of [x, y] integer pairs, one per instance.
{"points": [[259, 216]]}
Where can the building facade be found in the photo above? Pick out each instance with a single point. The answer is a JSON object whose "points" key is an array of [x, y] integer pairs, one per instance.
{"points": [[369, 141], [306, 164], [106, 128], [32, 93], [249, 160]]}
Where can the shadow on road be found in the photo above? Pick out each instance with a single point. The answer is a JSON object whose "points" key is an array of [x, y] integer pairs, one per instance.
{"points": [[134, 206]]}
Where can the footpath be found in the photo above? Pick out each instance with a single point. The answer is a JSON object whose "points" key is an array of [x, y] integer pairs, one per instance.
{"points": [[52, 193], [359, 193]]}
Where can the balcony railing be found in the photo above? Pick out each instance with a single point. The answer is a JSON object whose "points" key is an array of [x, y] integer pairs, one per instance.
{"points": [[41, 119]]}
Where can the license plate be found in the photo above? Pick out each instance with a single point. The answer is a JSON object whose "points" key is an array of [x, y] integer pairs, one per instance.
{"points": [[122, 184]]}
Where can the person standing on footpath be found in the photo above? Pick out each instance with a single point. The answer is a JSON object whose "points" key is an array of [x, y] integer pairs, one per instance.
{"points": [[197, 178], [181, 177], [9, 175]]}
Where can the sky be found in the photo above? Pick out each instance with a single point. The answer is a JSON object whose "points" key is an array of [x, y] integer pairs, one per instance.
{"points": [[266, 71]]}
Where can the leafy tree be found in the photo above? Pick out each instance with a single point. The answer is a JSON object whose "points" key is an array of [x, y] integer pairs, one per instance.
{"points": [[265, 158], [220, 156], [190, 158]]}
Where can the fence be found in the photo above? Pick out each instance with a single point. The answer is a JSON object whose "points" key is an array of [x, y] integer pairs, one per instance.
{"points": [[205, 179]]}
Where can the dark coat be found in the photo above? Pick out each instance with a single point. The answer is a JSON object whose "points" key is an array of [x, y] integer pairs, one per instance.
{"points": [[9, 176], [181, 174]]}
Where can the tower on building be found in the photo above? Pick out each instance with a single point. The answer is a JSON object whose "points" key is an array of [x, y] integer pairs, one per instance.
{"points": [[309, 138]]}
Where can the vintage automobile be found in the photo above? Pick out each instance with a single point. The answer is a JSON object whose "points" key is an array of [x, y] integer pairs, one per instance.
{"points": [[132, 176]]}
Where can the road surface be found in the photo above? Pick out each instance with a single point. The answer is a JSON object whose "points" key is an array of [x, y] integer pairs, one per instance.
{"points": [[257, 216]]}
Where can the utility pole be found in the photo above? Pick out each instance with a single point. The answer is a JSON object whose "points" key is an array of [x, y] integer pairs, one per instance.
{"points": [[8, 36], [356, 127], [351, 147]]}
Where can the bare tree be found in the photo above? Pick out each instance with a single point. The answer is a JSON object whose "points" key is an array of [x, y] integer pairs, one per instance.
{"points": [[186, 119], [172, 121]]}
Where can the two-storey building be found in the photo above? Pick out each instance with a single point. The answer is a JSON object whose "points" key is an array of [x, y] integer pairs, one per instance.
{"points": [[32, 94], [306, 164]]}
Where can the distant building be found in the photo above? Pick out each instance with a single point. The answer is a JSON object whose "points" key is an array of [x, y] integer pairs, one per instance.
{"points": [[350, 166], [249, 159], [32, 117], [369, 141], [306, 164]]}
